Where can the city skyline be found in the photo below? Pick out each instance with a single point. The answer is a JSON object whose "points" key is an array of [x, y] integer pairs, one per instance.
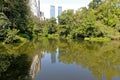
{"points": [[66, 4], [53, 11]]}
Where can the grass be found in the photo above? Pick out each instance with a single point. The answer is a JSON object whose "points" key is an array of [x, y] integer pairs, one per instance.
{"points": [[53, 36], [21, 38], [97, 39]]}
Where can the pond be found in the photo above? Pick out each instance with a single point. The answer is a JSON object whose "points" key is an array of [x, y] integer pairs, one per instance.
{"points": [[49, 59]]}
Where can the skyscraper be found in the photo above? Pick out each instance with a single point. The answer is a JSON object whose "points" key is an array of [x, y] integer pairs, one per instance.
{"points": [[59, 10], [35, 7], [52, 11], [38, 9]]}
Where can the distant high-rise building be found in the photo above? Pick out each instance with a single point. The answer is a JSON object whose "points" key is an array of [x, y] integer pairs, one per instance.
{"points": [[38, 9], [52, 11], [59, 10], [42, 17]]}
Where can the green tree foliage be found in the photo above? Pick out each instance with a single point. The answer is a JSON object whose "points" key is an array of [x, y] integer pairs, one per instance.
{"points": [[95, 4], [66, 22], [4, 23], [51, 24], [101, 19], [11, 35], [17, 14], [45, 31]]}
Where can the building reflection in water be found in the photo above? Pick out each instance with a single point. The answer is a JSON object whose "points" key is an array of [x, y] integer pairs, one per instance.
{"points": [[54, 56], [36, 64]]}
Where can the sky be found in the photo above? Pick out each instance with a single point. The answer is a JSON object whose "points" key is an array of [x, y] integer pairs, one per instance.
{"points": [[66, 4]]}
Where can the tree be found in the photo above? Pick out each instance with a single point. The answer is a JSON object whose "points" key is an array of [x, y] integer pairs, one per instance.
{"points": [[18, 15], [51, 23], [4, 23], [66, 22], [95, 4]]}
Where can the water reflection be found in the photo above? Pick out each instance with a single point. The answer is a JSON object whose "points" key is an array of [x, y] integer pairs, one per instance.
{"points": [[60, 60], [95, 61], [14, 67], [35, 66], [16, 60]]}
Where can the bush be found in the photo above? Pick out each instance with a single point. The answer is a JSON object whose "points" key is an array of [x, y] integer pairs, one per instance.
{"points": [[11, 36], [4, 22]]}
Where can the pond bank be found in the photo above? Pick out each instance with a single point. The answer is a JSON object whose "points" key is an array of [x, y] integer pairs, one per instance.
{"points": [[101, 39]]}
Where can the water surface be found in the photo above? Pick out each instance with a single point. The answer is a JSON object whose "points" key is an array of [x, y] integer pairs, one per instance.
{"points": [[61, 60]]}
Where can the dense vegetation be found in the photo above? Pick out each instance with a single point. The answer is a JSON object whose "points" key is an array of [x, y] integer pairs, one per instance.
{"points": [[15, 20], [100, 19]]}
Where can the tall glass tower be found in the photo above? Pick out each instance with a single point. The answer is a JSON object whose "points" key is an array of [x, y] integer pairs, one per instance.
{"points": [[59, 10], [52, 11]]}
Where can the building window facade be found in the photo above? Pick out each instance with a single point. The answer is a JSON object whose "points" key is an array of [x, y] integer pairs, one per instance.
{"points": [[52, 11]]}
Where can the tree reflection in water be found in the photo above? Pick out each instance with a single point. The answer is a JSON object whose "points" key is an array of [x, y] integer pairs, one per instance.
{"points": [[14, 67], [16, 59], [101, 58]]}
